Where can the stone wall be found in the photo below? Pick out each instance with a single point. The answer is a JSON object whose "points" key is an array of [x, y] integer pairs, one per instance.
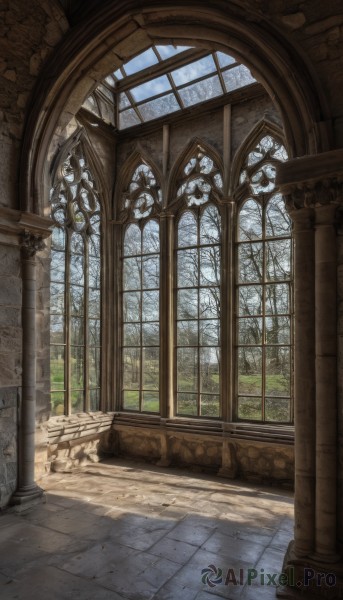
{"points": [[8, 443], [267, 462]]}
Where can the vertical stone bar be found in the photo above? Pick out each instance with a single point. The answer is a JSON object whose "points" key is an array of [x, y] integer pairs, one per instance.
{"points": [[326, 383], [304, 381], [27, 490], [166, 310], [340, 384]]}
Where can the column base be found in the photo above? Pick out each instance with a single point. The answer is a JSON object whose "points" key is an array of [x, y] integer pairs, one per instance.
{"points": [[26, 497], [312, 577]]}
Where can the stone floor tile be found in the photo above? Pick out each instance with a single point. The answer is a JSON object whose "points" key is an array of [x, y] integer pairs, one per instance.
{"points": [[174, 550], [228, 547], [50, 583]]}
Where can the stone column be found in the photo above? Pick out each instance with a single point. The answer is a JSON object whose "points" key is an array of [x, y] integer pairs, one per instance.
{"points": [[27, 490], [326, 383], [304, 379]]}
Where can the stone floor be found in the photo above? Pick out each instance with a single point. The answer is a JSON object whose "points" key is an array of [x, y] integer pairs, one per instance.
{"points": [[119, 530]]}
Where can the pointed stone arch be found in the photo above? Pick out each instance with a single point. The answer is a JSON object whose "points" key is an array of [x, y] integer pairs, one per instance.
{"points": [[137, 158], [120, 30], [190, 150]]}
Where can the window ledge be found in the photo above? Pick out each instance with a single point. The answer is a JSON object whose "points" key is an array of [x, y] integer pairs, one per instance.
{"points": [[283, 434]]}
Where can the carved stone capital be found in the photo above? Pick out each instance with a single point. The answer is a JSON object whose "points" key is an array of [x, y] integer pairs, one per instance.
{"points": [[31, 244], [310, 194]]}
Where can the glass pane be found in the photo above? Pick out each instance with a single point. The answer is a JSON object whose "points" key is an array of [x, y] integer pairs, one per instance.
{"points": [[187, 404], [124, 102], [151, 401], [209, 333], [210, 266], [132, 273], [76, 269], [210, 226], [250, 408], [132, 240], [187, 369], [209, 370], [95, 223], [132, 334], [209, 303], [94, 367], [187, 304], [210, 406], [142, 61], [94, 398], [58, 239], [77, 401], [168, 51], [237, 77], [76, 243], [250, 300], [250, 371], [151, 272], [94, 306], [128, 118], [151, 368], [263, 181], [57, 298], [278, 374], [224, 59], [131, 306], [250, 330], [94, 272], [76, 300], [57, 272], [187, 230], [131, 368], [56, 329], [94, 245], [159, 107], [154, 87], [250, 221], [150, 306], [187, 333], [151, 334], [278, 410], [94, 332], [131, 400], [194, 70], [278, 222], [151, 238], [187, 268], [57, 367], [250, 258], [77, 331], [278, 330], [277, 299], [57, 404], [77, 368], [201, 91], [278, 259]]}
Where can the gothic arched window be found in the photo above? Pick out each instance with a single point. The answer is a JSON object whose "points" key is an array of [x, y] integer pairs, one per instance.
{"points": [[141, 292], [75, 289], [198, 288], [264, 298]]}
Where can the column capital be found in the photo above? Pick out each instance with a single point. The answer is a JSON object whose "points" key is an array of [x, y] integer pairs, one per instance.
{"points": [[312, 194], [31, 243]]}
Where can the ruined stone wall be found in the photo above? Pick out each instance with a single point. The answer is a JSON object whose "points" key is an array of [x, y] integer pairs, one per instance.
{"points": [[28, 33]]}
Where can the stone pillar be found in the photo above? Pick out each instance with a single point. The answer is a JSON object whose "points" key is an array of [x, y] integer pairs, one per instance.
{"points": [[304, 380], [326, 383], [27, 491]]}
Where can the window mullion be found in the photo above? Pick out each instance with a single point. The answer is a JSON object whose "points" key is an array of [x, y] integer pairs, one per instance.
{"points": [[67, 357], [86, 352]]}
